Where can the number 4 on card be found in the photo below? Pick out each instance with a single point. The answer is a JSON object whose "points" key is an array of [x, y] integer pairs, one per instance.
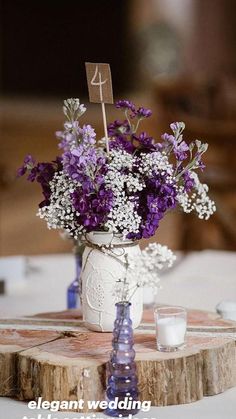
{"points": [[99, 82]]}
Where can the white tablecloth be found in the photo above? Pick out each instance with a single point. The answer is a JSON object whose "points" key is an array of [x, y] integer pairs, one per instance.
{"points": [[200, 280]]}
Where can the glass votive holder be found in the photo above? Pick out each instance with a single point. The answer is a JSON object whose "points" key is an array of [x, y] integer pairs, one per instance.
{"points": [[171, 325]]}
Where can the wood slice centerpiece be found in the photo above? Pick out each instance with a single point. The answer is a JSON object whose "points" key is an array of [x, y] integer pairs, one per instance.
{"points": [[54, 356], [13, 342]]}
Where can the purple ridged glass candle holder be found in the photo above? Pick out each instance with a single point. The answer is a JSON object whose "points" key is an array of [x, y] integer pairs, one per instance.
{"points": [[122, 385]]}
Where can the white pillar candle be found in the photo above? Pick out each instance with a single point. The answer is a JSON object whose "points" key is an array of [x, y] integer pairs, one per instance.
{"points": [[171, 331]]}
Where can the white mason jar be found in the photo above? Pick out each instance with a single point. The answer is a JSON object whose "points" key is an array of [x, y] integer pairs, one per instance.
{"points": [[99, 275]]}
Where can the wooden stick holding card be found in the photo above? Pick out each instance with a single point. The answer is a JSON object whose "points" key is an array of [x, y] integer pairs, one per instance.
{"points": [[100, 89]]}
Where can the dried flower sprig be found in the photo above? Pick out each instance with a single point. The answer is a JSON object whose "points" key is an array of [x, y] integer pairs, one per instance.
{"points": [[146, 267]]}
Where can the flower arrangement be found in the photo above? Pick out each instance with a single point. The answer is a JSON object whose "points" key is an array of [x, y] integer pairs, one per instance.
{"points": [[126, 191]]}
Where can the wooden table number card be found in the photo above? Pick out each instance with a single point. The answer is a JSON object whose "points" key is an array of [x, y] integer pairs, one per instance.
{"points": [[100, 89]]}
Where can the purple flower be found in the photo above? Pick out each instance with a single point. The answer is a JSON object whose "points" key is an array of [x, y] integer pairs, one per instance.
{"points": [[28, 164], [177, 127], [145, 140], [154, 200], [163, 201], [199, 162], [80, 160], [152, 203], [103, 201], [174, 126], [169, 139], [159, 146], [68, 137], [71, 126], [118, 131], [43, 173], [88, 134], [121, 143], [118, 128], [93, 207], [152, 223], [180, 148], [188, 181], [87, 166], [201, 165], [125, 104], [73, 135], [181, 151], [143, 113]]}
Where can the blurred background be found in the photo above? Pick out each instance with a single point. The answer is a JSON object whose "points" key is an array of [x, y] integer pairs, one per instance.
{"points": [[176, 57]]}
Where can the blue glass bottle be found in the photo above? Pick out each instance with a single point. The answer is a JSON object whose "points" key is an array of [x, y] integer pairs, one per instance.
{"points": [[74, 289], [122, 378]]}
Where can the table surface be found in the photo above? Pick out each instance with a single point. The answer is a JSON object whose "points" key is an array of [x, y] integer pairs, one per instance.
{"points": [[199, 280]]}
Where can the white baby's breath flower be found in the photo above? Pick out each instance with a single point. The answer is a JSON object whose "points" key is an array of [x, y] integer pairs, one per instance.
{"points": [[123, 217], [198, 201], [60, 213], [155, 162]]}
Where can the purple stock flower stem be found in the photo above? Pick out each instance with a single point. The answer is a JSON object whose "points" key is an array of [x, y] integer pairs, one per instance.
{"points": [[188, 167], [127, 117], [177, 167], [137, 125]]}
